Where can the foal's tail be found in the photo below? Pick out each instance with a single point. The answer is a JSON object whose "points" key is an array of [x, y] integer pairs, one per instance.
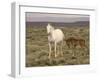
{"points": [[64, 40]]}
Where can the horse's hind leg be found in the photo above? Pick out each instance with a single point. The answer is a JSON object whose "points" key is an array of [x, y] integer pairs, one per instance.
{"points": [[61, 48], [55, 49], [49, 50], [58, 50]]}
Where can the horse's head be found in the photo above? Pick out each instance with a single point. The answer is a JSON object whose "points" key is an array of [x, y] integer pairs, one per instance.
{"points": [[49, 28]]}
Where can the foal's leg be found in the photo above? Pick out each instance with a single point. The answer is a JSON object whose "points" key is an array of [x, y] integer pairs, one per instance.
{"points": [[55, 49], [49, 50]]}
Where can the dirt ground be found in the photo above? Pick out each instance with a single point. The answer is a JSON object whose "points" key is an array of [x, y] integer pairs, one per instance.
{"points": [[37, 48]]}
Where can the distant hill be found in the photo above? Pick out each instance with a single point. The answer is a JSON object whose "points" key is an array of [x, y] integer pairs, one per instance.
{"points": [[59, 24]]}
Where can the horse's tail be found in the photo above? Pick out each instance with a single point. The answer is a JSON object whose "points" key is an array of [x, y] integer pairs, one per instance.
{"points": [[64, 39]]}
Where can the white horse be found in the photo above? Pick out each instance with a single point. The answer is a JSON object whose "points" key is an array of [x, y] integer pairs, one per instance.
{"points": [[55, 36]]}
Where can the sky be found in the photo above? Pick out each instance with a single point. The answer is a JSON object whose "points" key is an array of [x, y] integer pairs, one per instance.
{"points": [[47, 17]]}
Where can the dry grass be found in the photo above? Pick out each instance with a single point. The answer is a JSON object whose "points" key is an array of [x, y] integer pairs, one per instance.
{"points": [[37, 47]]}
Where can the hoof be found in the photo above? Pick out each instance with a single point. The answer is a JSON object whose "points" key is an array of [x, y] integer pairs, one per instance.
{"points": [[62, 55], [49, 57]]}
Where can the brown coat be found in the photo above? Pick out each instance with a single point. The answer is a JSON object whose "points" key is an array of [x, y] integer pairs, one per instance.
{"points": [[73, 42]]}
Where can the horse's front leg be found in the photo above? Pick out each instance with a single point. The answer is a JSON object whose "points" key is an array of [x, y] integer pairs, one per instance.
{"points": [[61, 48], [55, 49], [49, 50]]}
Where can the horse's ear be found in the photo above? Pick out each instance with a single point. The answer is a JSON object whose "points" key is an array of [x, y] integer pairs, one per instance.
{"points": [[48, 28], [49, 24]]}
